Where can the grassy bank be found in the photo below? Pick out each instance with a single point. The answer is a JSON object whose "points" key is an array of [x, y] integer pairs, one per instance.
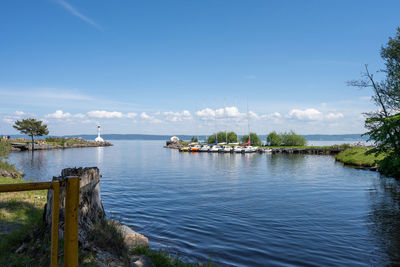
{"points": [[6, 169], [20, 220], [358, 157]]}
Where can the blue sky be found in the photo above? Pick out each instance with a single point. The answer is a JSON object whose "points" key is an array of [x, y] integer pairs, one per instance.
{"points": [[187, 67]]}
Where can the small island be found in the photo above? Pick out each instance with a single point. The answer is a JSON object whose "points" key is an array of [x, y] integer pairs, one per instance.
{"points": [[33, 128]]}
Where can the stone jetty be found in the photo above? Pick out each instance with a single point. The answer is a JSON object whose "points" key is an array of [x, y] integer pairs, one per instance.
{"points": [[23, 146]]}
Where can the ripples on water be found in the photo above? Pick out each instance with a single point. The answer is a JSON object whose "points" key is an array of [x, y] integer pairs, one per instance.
{"points": [[241, 210]]}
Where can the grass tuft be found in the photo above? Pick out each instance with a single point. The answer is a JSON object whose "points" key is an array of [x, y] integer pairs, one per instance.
{"points": [[106, 236], [161, 258]]}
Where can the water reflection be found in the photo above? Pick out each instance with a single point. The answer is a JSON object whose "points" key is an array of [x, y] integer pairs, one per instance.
{"points": [[99, 151], [33, 161], [385, 217]]}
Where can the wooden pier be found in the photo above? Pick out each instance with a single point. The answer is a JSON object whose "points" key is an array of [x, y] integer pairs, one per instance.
{"points": [[311, 151]]}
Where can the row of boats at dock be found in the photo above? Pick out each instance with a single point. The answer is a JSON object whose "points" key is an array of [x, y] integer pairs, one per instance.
{"points": [[221, 149]]}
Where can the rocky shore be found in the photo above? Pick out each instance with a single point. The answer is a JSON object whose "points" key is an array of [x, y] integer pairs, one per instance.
{"points": [[68, 143], [11, 173], [173, 145]]}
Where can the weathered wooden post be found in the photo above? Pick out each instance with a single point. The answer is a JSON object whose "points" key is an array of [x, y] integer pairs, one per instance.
{"points": [[55, 211], [71, 222]]}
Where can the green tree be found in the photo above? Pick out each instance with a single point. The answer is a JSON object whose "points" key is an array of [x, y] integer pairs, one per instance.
{"points": [[383, 125], [292, 139], [31, 127], [221, 137], [211, 139], [232, 137], [254, 139], [273, 139], [194, 139]]}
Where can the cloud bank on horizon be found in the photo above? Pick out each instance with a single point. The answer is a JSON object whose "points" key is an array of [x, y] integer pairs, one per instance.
{"points": [[202, 121]]}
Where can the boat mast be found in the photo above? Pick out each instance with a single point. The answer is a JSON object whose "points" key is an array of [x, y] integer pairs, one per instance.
{"points": [[215, 120], [248, 119], [226, 135]]}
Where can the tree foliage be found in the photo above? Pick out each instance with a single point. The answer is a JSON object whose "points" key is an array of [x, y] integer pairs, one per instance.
{"points": [[274, 139], [232, 137], [254, 139], [211, 139], [194, 139], [225, 137], [292, 139], [286, 139], [31, 127], [383, 125]]}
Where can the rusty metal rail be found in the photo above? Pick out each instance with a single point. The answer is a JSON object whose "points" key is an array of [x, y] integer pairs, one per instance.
{"points": [[71, 215]]}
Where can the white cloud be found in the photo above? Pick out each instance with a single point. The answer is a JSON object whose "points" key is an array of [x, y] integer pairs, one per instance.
{"points": [[206, 114], [276, 115], [102, 114], [226, 112], [145, 116], [149, 118], [333, 116], [17, 115], [131, 115], [79, 116], [231, 112], [177, 116], [59, 114], [307, 114], [76, 13], [254, 115]]}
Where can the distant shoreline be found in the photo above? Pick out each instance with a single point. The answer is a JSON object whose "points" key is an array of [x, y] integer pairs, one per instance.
{"points": [[309, 137]]}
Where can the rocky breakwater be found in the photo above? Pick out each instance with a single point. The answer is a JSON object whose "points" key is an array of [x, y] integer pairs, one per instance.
{"points": [[173, 145], [65, 143], [91, 216]]}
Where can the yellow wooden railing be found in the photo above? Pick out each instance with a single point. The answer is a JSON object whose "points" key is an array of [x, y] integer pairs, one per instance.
{"points": [[71, 215]]}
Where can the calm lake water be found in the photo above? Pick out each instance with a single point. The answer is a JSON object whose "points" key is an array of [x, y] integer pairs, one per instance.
{"points": [[240, 210]]}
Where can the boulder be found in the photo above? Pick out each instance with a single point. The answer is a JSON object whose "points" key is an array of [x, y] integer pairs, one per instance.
{"points": [[131, 238], [141, 261]]}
